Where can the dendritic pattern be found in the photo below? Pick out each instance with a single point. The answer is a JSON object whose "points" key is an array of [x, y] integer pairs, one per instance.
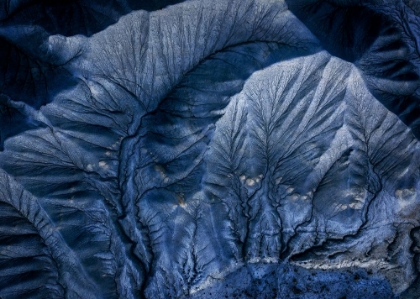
{"points": [[210, 149]]}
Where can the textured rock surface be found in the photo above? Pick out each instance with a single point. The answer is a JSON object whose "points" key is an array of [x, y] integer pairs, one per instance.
{"points": [[210, 149]]}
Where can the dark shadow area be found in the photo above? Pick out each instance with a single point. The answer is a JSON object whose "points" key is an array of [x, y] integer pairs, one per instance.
{"points": [[28, 80], [372, 41], [413, 291], [345, 32], [69, 17]]}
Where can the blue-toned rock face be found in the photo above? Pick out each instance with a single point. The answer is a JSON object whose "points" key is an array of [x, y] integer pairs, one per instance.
{"points": [[210, 149]]}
